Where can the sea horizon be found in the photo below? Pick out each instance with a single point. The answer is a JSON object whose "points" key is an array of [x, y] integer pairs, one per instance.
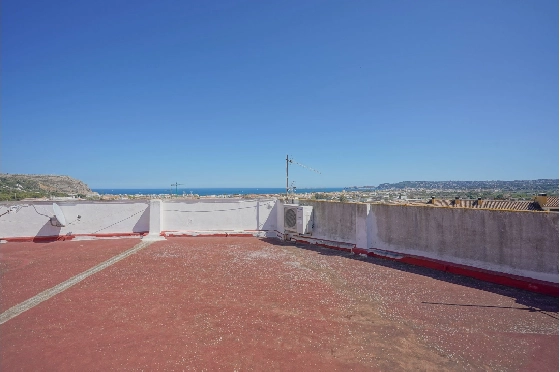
{"points": [[205, 191]]}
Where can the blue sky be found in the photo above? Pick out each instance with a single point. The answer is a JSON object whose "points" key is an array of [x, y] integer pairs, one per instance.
{"points": [[215, 94]]}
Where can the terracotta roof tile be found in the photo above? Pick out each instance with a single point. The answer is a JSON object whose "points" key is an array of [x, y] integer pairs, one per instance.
{"points": [[551, 202], [511, 205], [491, 204]]}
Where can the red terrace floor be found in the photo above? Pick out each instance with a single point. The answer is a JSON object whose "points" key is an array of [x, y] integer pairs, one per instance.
{"points": [[247, 304], [29, 268]]}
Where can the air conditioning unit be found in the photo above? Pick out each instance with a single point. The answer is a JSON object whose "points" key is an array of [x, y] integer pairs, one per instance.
{"points": [[297, 218]]}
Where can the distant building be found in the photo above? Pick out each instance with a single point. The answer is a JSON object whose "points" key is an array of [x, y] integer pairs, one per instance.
{"points": [[547, 203], [542, 202]]}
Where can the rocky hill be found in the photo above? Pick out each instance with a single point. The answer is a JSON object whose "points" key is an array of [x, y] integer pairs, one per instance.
{"points": [[42, 184]]}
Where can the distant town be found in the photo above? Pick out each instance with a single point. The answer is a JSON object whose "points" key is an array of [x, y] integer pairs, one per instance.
{"points": [[425, 190], [16, 187]]}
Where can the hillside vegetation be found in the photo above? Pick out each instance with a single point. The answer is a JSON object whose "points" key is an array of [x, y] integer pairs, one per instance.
{"points": [[20, 186]]}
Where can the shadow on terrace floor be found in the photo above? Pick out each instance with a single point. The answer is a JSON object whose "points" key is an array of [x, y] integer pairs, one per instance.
{"points": [[534, 302]]}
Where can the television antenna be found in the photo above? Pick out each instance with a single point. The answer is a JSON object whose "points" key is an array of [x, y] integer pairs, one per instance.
{"points": [[288, 161], [293, 187], [176, 184]]}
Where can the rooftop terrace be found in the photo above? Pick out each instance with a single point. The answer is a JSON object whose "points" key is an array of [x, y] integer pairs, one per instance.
{"points": [[74, 297], [195, 303]]}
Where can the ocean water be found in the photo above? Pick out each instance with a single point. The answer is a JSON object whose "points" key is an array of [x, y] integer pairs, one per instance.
{"points": [[213, 191]]}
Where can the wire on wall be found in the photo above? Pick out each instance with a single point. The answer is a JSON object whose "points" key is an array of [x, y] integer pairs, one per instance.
{"points": [[116, 223], [218, 210]]}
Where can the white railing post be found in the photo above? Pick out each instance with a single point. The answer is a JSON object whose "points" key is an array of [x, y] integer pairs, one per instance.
{"points": [[156, 220]]}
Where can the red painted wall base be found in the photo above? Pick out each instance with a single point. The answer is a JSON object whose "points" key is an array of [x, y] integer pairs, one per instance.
{"points": [[176, 234], [528, 284], [56, 238], [510, 280]]}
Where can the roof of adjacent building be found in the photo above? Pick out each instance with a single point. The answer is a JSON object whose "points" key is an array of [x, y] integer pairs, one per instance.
{"points": [[517, 205], [551, 202]]}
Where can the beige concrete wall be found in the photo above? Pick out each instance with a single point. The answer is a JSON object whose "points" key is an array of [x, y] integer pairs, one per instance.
{"points": [[511, 242], [519, 243], [333, 220]]}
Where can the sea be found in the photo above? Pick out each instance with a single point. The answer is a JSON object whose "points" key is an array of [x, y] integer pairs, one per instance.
{"points": [[214, 191]]}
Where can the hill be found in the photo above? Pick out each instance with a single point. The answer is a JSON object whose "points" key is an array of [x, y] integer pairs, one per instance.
{"points": [[541, 185], [517, 185], [509, 190], [18, 186]]}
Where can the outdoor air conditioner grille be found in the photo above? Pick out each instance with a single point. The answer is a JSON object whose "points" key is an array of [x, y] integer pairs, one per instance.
{"points": [[290, 218]]}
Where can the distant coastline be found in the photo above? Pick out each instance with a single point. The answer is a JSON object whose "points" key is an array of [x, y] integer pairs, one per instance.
{"points": [[214, 191], [523, 186]]}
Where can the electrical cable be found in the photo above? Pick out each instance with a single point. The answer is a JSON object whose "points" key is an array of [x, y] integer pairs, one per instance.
{"points": [[216, 210], [124, 219], [42, 214], [20, 206], [77, 219]]}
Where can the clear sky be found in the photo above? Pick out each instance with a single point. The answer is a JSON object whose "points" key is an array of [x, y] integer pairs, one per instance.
{"points": [[216, 93]]}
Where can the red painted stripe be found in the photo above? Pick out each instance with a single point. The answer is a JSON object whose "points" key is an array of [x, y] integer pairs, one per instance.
{"points": [[39, 239], [509, 280], [195, 235], [55, 238], [360, 251], [515, 281], [115, 235], [528, 284], [217, 235]]}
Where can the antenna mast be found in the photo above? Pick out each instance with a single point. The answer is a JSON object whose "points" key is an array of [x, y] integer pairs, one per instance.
{"points": [[287, 183], [288, 161]]}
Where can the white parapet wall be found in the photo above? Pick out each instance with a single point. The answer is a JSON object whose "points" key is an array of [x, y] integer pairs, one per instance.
{"points": [[33, 219], [221, 215], [28, 220]]}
